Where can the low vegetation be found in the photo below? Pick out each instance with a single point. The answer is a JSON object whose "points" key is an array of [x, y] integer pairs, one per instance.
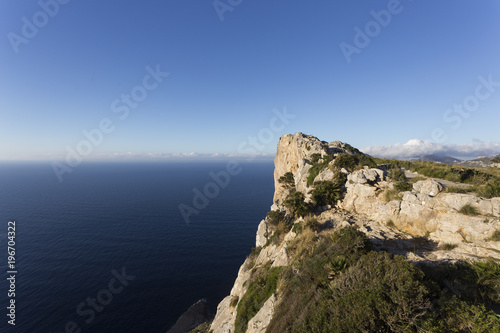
{"points": [[318, 164], [457, 189], [485, 182], [495, 237], [447, 246], [354, 161], [326, 193], [295, 202], [468, 210], [338, 283], [261, 287], [287, 180], [496, 159]]}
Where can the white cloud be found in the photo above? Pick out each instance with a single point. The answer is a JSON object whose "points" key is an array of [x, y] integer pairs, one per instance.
{"points": [[416, 147]]}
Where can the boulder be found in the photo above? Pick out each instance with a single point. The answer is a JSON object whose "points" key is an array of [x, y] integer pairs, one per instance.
{"points": [[428, 187]]}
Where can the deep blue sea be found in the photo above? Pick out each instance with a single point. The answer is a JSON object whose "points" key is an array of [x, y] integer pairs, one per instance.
{"points": [[122, 219]]}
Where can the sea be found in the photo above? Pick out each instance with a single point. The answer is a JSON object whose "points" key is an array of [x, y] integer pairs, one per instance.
{"points": [[108, 250]]}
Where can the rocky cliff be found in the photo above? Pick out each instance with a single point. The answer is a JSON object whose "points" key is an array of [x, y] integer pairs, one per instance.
{"points": [[414, 222]]}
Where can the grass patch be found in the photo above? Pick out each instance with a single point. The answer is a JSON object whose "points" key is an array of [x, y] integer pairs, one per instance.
{"points": [[468, 210], [457, 189], [495, 237], [318, 164], [447, 246], [416, 179], [259, 290], [391, 195]]}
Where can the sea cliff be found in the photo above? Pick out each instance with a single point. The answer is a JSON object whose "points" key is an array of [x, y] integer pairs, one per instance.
{"points": [[323, 189]]}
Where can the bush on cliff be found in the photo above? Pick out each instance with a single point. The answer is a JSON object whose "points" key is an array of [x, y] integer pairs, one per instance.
{"points": [[326, 193], [296, 203], [353, 161], [287, 180]]}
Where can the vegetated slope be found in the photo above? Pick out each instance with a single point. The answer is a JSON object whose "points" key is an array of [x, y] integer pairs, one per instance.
{"points": [[352, 245]]}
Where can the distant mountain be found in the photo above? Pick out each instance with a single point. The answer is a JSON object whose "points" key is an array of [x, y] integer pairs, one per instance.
{"points": [[481, 162], [440, 159]]}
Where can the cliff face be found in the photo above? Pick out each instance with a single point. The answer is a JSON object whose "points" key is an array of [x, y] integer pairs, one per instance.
{"points": [[424, 210]]}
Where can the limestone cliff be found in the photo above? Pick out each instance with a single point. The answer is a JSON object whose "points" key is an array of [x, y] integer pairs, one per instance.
{"points": [[423, 210]]}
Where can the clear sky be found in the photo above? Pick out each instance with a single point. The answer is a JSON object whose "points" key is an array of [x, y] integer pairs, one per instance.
{"points": [[375, 74]]}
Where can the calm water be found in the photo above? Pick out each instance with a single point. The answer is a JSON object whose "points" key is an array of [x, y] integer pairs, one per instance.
{"points": [[115, 216]]}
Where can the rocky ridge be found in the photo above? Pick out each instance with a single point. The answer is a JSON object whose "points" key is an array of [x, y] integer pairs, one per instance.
{"points": [[416, 224]]}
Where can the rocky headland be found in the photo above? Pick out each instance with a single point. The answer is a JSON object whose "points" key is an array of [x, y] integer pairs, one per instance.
{"points": [[330, 193]]}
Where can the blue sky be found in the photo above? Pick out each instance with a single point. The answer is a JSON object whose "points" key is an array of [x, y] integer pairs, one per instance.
{"points": [[227, 78]]}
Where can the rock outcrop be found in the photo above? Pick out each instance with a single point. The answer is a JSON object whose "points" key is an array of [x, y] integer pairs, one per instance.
{"points": [[425, 210]]}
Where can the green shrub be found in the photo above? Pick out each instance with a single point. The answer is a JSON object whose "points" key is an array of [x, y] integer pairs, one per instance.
{"points": [[287, 179], [344, 160], [353, 161], [474, 282], [397, 175], [326, 193], [390, 224], [274, 217], [468, 210], [234, 301], [496, 159], [381, 292], [455, 315], [313, 224], [259, 291], [403, 186], [295, 202], [297, 228], [448, 246]]}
